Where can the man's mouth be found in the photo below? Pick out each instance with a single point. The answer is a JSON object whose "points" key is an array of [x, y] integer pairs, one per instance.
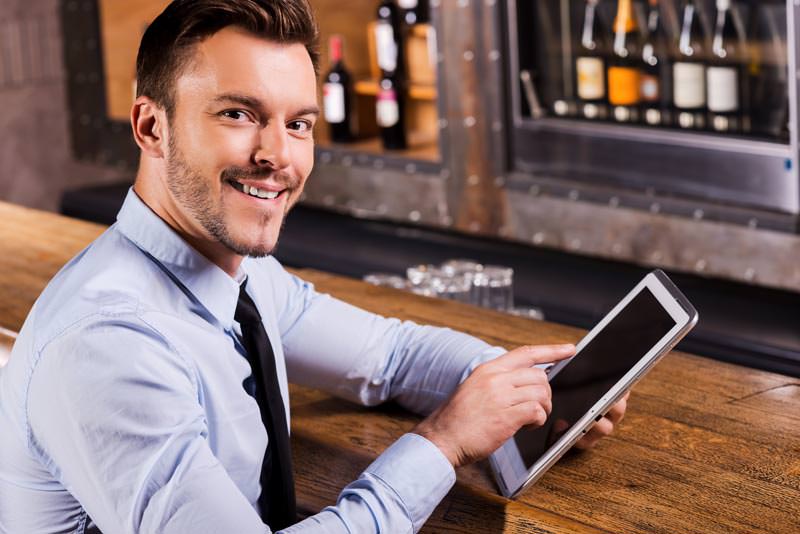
{"points": [[255, 191]]}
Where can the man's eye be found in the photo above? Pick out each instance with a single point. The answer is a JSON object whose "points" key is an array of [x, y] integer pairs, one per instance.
{"points": [[300, 125], [235, 114]]}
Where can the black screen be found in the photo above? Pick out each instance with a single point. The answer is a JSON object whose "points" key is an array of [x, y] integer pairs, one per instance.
{"points": [[595, 369]]}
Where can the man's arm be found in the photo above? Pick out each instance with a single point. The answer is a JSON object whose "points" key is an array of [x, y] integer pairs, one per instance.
{"points": [[114, 415]]}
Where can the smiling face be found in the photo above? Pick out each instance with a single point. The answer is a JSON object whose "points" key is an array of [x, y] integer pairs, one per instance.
{"points": [[239, 145]]}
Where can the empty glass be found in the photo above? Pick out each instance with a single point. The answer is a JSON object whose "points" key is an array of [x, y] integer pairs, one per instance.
{"points": [[495, 287], [386, 280]]}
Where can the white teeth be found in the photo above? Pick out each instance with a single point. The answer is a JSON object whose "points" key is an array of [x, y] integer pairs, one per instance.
{"points": [[254, 191]]}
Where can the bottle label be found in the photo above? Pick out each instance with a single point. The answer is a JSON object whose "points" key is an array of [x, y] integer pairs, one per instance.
{"points": [[591, 78], [650, 88], [385, 46], [723, 89], [333, 102], [689, 87], [623, 86], [387, 111]]}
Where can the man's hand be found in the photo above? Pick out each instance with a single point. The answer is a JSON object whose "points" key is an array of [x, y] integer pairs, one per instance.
{"points": [[497, 399], [604, 426]]}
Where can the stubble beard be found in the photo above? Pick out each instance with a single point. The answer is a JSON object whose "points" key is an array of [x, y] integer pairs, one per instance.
{"points": [[193, 192]]}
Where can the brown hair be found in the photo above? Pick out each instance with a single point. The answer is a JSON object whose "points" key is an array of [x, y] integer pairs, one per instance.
{"points": [[167, 43]]}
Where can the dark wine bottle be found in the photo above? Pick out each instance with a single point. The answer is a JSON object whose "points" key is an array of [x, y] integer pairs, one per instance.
{"points": [[590, 66], [724, 76], [389, 112], [337, 94], [656, 86], [689, 71], [623, 74], [389, 38]]}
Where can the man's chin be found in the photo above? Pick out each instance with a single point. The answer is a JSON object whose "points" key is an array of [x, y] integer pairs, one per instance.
{"points": [[254, 250]]}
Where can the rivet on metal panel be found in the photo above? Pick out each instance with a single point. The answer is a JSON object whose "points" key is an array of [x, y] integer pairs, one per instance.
{"points": [[447, 220], [494, 55], [575, 244], [698, 214], [753, 223], [347, 161], [701, 265], [499, 181], [574, 194], [535, 190], [750, 274], [469, 55], [655, 207], [469, 122], [473, 180], [85, 119], [613, 202], [328, 200], [497, 126], [442, 124], [475, 226], [325, 157], [539, 238], [378, 164], [616, 248], [434, 3], [463, 3], [411, 168], [657, 256], [382, 209], [414, 216]]}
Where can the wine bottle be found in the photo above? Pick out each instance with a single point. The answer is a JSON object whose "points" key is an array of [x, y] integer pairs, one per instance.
{"points": [[623, 74], [390, 100], [590, 66], [724, 74], [389, 111], [388, 38], [655, 85], [689, 71], [337, 91]]}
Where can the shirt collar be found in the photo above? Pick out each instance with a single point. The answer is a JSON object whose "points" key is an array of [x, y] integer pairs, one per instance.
{"points": [[211, 286]]}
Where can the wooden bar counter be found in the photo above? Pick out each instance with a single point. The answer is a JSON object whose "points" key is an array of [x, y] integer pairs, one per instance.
{"points": [[706, 447]]}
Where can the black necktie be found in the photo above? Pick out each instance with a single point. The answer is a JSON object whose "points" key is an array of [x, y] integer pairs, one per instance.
{"points": [[277, 499]]}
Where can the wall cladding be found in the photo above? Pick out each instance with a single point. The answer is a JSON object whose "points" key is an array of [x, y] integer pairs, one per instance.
{"points": [[36, 161]]}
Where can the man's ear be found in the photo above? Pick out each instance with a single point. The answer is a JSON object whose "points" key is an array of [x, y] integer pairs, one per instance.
{"points": [[149, 123]]}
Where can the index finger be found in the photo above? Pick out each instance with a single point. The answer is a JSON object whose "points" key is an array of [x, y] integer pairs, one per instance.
{"points": [[529, 355]]}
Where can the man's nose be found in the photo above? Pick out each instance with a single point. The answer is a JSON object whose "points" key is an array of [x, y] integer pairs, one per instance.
{"points": [[273, 149]]}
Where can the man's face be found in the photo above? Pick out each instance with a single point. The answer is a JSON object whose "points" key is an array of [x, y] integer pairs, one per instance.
{"points": [[244, 112]]}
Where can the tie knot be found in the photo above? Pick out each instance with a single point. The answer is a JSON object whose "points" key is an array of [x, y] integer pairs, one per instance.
{"points": [[246, 311]]}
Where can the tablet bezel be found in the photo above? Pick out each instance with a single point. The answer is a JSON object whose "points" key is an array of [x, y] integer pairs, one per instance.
{"points": [[509, 470]]}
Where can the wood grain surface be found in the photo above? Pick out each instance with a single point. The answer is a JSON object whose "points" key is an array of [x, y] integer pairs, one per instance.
{"points": [[706, 447]]}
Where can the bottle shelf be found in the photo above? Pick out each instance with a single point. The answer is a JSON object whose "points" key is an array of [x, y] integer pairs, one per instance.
{"points": [[415, 91], [421, 150]]}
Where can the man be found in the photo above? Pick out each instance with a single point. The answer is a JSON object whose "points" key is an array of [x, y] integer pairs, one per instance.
{"points": [[147, 391]]}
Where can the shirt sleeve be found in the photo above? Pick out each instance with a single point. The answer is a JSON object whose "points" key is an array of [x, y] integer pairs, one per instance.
{"points": [[113, 413], [364, 357]]}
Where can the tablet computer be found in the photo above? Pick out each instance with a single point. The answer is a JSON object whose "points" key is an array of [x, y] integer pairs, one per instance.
{"points": [[611, 358]]}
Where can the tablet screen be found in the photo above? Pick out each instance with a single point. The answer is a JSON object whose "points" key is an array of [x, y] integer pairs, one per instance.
{"points": [[595, 369]]}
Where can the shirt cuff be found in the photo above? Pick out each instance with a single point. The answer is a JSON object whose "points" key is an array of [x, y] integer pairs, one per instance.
{"points": [[418, 472]]}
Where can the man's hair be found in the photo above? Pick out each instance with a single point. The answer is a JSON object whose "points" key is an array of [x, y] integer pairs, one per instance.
{"points": [[169, 41]]}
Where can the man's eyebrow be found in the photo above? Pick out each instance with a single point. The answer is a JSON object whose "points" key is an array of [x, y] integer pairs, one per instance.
{"points": [[310, 110], [237, 98]]}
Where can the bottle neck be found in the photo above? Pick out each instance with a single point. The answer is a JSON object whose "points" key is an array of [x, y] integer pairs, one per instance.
{"points": [[335, 50], [624, 22]]}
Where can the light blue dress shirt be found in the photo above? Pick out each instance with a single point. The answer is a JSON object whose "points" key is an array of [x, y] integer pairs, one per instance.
{"points": [[123, 401]]}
